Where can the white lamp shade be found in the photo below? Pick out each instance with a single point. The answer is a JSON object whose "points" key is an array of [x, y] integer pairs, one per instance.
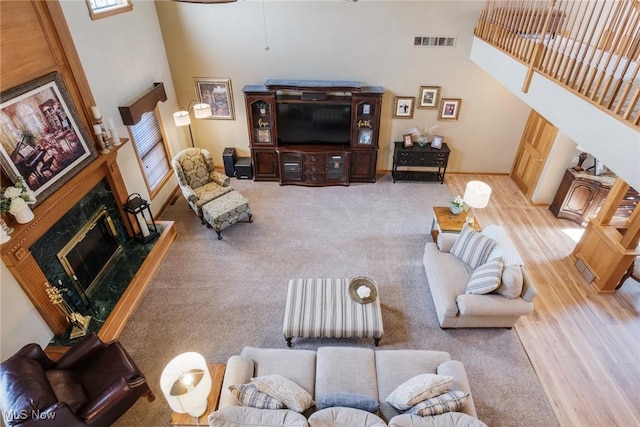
{"points": [[581, 148], [181, 118], [477, 194], [194, 398], [202, 111]]}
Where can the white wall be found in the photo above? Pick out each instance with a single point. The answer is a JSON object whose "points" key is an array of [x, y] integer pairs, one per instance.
{"points": [[122, 56], [369, 41]]}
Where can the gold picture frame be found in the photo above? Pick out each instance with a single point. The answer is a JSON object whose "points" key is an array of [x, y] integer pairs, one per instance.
{"points": [[449, 109], [429, 97], [403, 107]]}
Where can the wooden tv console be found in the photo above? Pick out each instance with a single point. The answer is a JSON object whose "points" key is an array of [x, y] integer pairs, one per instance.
{"points": [[313, 164]]}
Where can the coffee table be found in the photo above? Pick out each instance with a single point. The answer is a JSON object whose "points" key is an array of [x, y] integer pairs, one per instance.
{"points": [[322, 308]]}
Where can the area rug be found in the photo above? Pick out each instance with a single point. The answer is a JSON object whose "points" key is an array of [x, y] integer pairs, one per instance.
{"points": [[216, 296]]}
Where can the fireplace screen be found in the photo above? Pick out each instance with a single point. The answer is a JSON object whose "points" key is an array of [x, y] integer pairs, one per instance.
{"points": [[91, 252]]}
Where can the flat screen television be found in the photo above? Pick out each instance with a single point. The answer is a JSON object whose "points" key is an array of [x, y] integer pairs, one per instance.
{"points": [[313, 123]]}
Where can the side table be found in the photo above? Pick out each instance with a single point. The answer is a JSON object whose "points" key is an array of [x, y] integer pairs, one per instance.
{"points": [[216, 370], [446, 222]]}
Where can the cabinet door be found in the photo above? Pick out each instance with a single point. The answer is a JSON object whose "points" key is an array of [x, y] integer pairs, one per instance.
{"points": [[363, 165], [291, 167], [260, 111], [366, 120], [265, 165], [337, 168]]}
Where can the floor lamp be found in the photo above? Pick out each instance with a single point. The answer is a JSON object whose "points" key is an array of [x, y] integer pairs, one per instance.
{"points": [[182, 118], [476, 196]]}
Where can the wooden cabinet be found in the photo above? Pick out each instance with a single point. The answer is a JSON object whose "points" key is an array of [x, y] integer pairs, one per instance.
{"points": [[315, 162], [313, 166], [580, 196], [416, 156]]}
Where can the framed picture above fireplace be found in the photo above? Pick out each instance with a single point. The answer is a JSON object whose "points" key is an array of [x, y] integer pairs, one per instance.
{"points": [[41, 136]]}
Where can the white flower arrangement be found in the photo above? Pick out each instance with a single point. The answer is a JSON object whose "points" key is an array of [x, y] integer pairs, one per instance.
{"points": [[423, 132], [15, 198], [458, 202]]}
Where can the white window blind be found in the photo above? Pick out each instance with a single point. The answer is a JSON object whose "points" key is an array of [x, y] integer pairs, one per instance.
{"points": [[147, 137]]}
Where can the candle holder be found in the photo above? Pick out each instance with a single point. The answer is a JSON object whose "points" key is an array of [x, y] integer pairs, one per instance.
{"points": [[80, 323]]}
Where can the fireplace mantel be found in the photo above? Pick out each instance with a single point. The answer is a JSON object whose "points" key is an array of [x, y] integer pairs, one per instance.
{"points": [[21, 263]]}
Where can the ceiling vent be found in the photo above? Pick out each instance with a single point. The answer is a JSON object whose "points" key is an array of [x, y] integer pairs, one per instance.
{"points": [[434, 41]]}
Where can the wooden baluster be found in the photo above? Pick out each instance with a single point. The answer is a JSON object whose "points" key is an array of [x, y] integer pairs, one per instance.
{"points": [[535, 59], [578, 82]]}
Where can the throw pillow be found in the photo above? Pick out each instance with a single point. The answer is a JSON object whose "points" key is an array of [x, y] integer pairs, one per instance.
{"points": [[472, 247], [446, 402], [288, 392], [249, 395], [512, 282], [349, 400], [417, 389], [485, 278]]}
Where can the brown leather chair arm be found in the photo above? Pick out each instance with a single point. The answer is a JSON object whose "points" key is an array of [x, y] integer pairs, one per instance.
{"points": [[118, 391], [84, 350]]}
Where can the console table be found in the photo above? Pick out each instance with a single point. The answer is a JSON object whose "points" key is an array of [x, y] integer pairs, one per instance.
{"points": [[420, 156]]}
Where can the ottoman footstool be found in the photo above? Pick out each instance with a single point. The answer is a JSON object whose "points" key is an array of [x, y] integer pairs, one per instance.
{"points": [[226, 210]]}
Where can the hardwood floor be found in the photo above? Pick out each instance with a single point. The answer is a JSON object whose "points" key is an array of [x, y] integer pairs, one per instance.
{"points": [[585, 347]]}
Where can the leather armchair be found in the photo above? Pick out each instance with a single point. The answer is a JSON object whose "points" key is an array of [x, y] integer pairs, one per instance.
{"points": [[92, 384], [197, 179]]}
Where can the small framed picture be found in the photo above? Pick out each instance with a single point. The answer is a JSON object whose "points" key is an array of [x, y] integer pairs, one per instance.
{"points": [[264, 136], [366, 109], [449, 108], [365, 137], [437, 141], [429, 97], [407, 140], [403, 107]]}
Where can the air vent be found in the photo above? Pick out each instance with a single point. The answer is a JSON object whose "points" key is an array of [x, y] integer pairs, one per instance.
{"points": [[434, 41]]}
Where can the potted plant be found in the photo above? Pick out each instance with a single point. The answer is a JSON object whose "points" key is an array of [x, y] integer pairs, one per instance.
{"points": [[422, 134], [16, 200], [457, 205]]}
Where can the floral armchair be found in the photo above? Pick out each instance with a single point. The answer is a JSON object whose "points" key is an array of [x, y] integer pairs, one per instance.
{"points": [[199, 182]]}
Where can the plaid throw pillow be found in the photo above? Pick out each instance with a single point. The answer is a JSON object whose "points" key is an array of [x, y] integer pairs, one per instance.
{"points": [[447, 402], [249, 395], [472, 247]]}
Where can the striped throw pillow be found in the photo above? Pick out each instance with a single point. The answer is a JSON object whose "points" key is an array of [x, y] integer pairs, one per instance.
{"points": [[446, 402], [472, 247], [249, 395], [486, 278]]}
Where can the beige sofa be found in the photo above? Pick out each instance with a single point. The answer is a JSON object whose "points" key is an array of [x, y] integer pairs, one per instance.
{"points": [[369, 372], [448, 277]]}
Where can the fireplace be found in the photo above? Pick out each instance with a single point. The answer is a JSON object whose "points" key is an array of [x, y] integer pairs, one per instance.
{"points": [[90, 253]]}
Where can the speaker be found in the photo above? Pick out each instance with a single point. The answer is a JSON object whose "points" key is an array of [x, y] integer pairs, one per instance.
{"points": [[314, 96], [229, 160], [243, 168]]}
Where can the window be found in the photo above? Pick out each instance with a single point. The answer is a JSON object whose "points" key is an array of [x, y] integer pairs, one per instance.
{"points": [[152, 152], [103, 8]]}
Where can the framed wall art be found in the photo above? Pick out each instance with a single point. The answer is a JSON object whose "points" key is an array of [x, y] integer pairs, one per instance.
{"points": [[217, 93], [403, 107], [449, 108], [429, 97], [42, 137]]}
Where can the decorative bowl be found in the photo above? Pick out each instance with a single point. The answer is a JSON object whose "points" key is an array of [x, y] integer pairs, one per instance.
{"points": [[357, 283]]}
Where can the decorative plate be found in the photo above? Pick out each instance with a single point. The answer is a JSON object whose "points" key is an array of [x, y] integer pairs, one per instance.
{"points": [[365, 283]]}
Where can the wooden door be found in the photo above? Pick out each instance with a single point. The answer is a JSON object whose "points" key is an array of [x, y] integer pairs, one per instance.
{"points": [[536, 142]]}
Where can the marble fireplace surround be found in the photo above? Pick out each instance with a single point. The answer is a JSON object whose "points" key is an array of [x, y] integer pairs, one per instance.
{"points": [[22, 264]]}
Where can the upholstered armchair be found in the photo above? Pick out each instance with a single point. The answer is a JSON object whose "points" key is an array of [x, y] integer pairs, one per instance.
{"points": [[92, 384], [199, 182]]}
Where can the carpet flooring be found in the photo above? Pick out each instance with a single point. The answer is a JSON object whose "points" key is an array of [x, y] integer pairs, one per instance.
{"points": [[216, 296]]}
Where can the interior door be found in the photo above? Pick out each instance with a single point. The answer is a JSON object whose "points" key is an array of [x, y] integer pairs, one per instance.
{"points": [[536, 142]]}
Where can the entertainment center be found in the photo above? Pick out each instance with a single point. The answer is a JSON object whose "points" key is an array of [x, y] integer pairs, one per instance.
{"points": [[313, 132]]}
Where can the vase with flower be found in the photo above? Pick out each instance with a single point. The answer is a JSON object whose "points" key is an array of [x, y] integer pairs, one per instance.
{"points": [[457, 205], [422, 134], [16, 200]]}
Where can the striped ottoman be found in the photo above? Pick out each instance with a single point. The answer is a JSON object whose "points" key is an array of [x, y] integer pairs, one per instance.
{"points": [[323, 308], [225, 210]]}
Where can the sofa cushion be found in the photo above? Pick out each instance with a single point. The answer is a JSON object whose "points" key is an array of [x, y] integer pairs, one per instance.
{"points": [[445, 402], [344, 417], [249, 395], [417, 389], [349, 400], [472, 247], [288, 392], [244, 416], [503, 248], [346, 369], [448, 419], [511, 282], [486, 278]]}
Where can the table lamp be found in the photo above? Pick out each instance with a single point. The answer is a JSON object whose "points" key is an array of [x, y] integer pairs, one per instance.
{"points": [[476, 195], [186, 384]]}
